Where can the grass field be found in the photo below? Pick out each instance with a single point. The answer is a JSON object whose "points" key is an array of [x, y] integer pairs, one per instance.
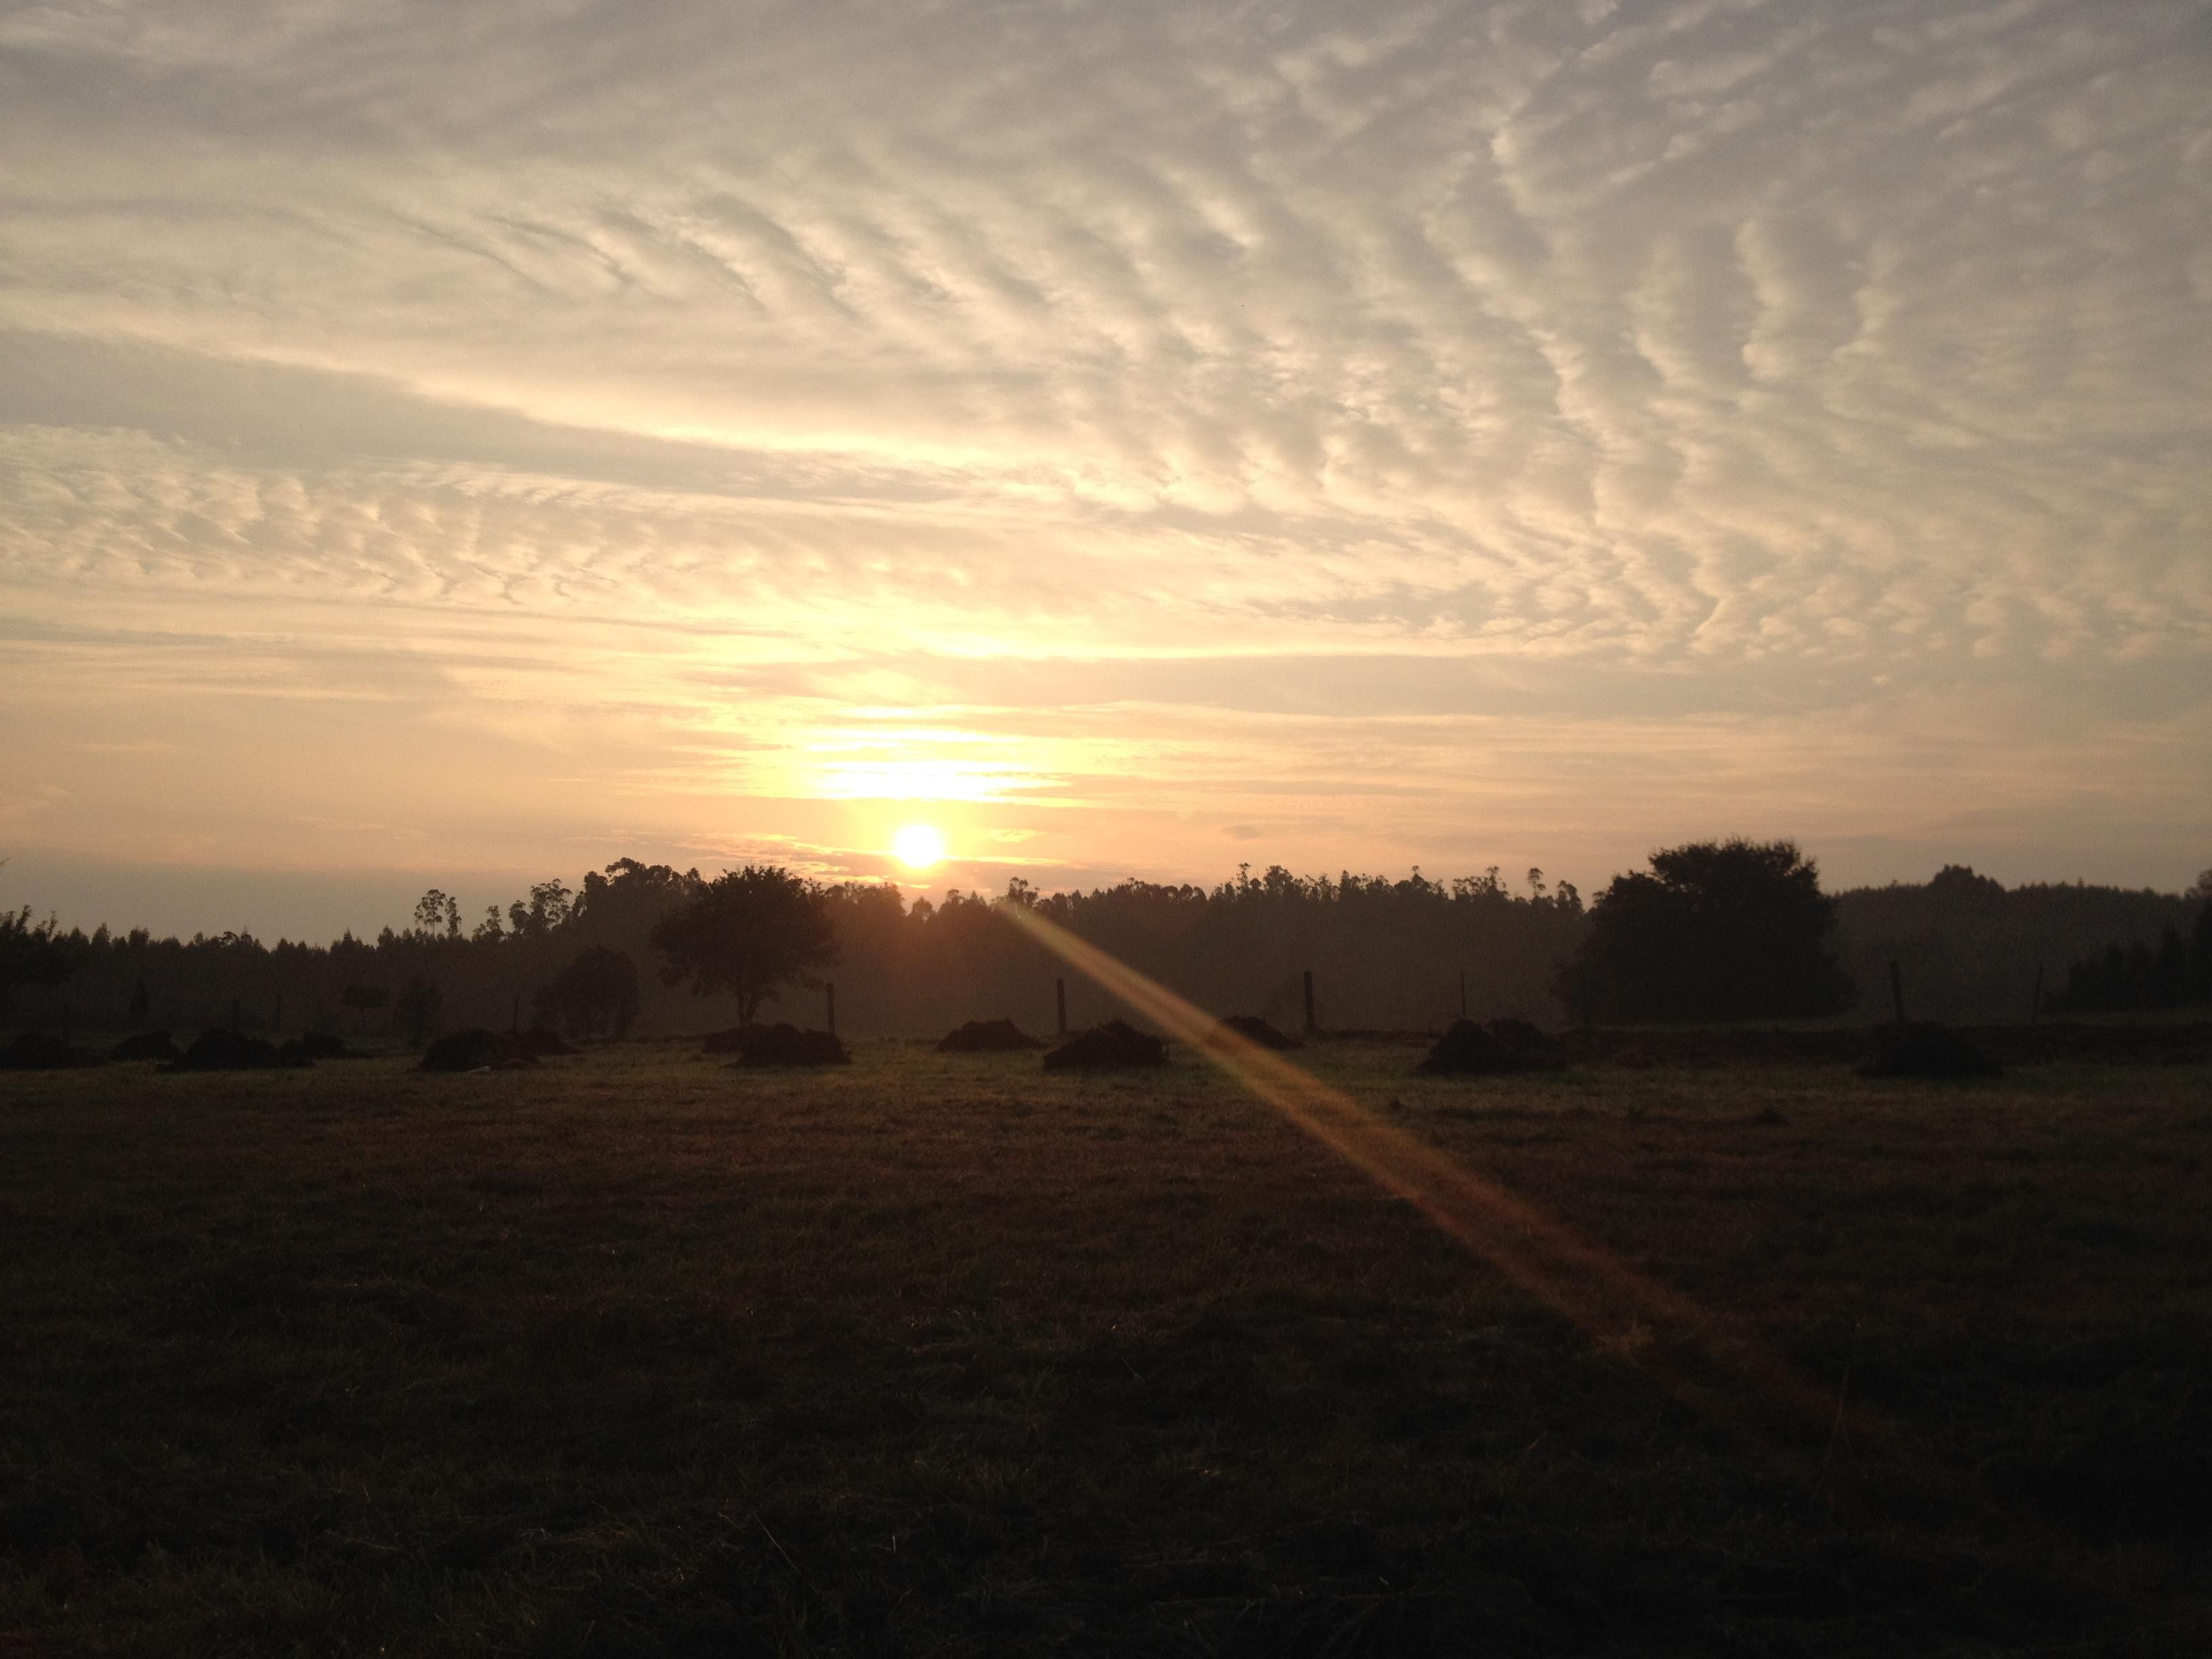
{"points": [[637, 1354]]}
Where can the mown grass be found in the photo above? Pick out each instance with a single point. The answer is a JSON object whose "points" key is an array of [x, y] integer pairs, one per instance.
{"points": [[637, 1354]]}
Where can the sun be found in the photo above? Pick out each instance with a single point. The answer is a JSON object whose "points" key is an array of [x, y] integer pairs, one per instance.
{"points": [[919, 846]]}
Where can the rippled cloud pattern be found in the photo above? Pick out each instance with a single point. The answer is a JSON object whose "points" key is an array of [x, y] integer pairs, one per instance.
{"points": [[1364, 434]]}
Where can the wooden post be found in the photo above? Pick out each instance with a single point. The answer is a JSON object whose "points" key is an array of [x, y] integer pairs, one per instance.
{"points": [[1310, 1026], [1060, 1002], [829, 991], [1897, 993], [2035, 1001]]}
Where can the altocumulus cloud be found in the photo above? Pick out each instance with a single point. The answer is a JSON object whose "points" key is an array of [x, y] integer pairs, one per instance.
{"points": [[1402, 431]]}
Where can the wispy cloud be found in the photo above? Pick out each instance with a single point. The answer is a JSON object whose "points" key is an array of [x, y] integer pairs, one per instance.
{"points": [[1154, 398]]}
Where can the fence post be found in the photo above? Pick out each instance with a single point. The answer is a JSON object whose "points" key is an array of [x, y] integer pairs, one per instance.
{"points": [[1060, 1003], [1310, 1027]]}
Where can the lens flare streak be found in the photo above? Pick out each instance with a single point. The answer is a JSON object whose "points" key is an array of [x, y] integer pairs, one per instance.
{"points": [[1715, 1370]]}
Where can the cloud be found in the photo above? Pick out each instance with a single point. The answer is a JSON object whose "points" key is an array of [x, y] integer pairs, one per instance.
{"points": [[1111, 387]]}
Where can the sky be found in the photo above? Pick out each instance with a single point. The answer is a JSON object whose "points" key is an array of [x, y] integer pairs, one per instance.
{"points": [[459, 445]]}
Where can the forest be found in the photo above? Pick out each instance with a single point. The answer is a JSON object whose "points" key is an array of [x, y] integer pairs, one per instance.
{"points": [[1403, 955]]}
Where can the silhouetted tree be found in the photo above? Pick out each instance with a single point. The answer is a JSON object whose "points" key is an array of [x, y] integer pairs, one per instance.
{"points": [[38, 954], [2130, 978], [1383, 951], [548, 908], [437, 915], [595, 992], [1730, 930], [416, 1013], [750, 932]]}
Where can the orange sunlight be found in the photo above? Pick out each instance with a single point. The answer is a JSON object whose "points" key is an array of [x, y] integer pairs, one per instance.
{"points": [[919, 846]]}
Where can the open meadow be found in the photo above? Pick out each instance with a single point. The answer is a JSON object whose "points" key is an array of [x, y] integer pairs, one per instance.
{"points": [[636, 1353]]}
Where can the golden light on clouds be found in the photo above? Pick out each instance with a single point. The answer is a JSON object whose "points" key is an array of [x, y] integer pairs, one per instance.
{"points": [[1374, 435], [918, 764]]}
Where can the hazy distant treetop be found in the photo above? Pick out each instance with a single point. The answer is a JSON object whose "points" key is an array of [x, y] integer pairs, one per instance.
{"points": [[1960, 882], [548, 908], [595, 992]]}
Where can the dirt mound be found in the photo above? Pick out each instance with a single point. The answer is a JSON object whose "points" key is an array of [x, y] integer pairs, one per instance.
{"points": [[1256, 1030], [1467, 1049], [476, 1050], [787, 1045], [231, 1051], [145, 1045], [730, 1042], [307, 1049], [1537, 1049], [979, 1037], [1114, 1045], [1929, 1051], [41, 1051]]}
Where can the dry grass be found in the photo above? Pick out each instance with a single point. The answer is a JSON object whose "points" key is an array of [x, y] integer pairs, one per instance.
{"points": [[637, 1354]]}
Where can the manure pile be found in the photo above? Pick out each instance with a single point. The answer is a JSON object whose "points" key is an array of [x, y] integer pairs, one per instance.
{"points": [[233, 1051], [1467, 1049], [41, 1051], [1254, 1029], [784, 1045], [980, 1036], [1928, 1051], [1116, 1045]]}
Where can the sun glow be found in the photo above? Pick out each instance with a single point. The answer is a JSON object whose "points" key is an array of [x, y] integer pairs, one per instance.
{"points": [[919, 846]]}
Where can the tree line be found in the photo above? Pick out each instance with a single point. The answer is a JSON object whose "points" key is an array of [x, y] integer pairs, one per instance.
{"points": [[1385, 952], [1734, 930]]}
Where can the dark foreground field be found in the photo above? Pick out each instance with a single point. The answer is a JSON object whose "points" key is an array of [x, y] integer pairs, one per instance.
{"points": [[635, 1354]]}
